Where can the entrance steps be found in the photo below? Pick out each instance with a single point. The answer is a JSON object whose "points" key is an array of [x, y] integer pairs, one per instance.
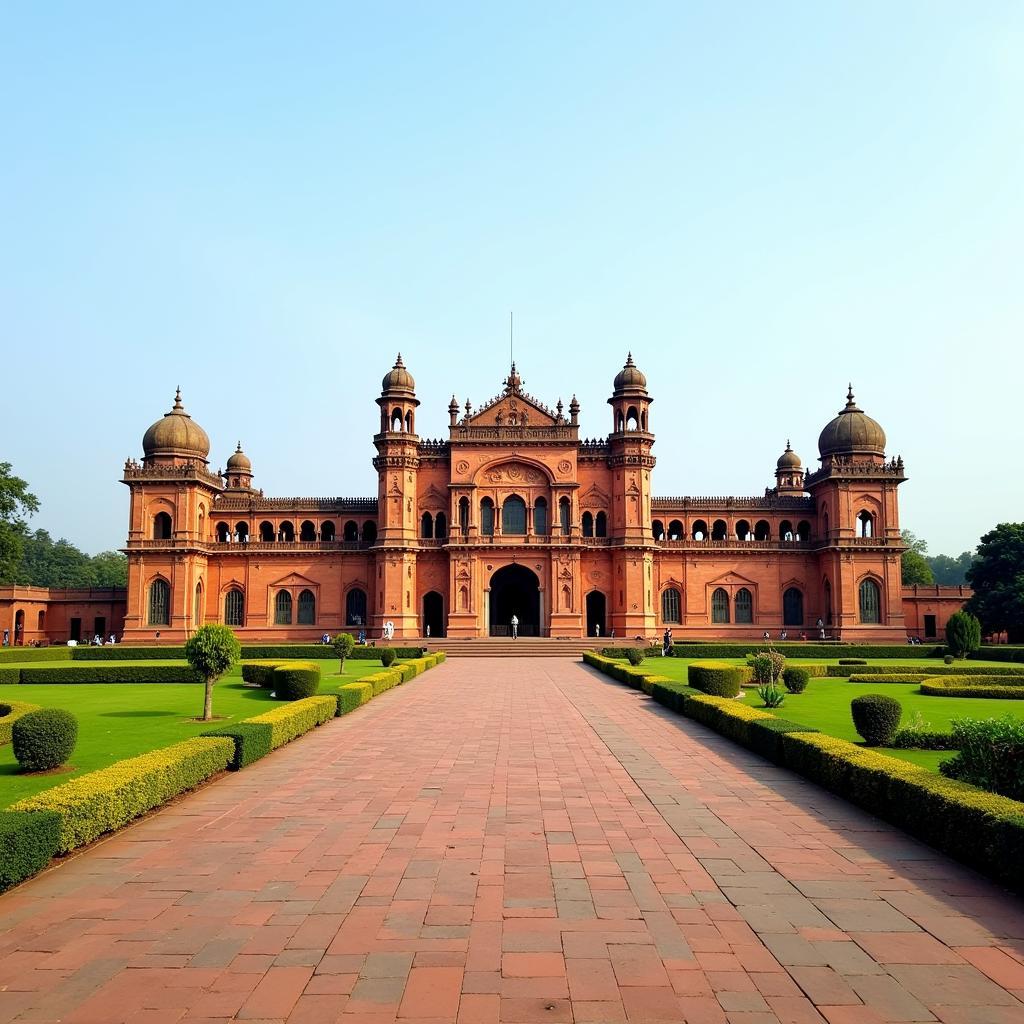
{"points": [[524, 647]]}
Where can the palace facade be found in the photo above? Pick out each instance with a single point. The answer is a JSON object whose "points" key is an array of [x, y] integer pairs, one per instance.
{"points": [[515, 514]]}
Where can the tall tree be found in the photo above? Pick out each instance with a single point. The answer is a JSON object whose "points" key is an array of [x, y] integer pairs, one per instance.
{"points": [[997, 577], [914, 566], [951, 572], [17, 502]]}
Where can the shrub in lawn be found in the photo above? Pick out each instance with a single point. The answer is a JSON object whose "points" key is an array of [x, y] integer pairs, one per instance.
{"points": [[634, 656], [260, 673], [44, 739], [948, 659], [716, 678], [767, 666], [772, 695], [876, 717], [296, 680], [212, 650], [852, 661], [387, 656], [990, 687], [344, 644], [963, 634], [795, 679], [991, 755]]}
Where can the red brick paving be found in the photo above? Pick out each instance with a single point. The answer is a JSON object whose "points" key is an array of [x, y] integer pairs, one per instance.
{"points": [[511, 842]]}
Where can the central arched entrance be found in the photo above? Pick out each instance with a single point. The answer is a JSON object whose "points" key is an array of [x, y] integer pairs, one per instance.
{"points": [[515, 590], [433, 614], [595, 614]]}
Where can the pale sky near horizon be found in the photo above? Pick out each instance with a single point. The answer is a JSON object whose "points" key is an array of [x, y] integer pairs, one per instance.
{"points": [[263, 203]]}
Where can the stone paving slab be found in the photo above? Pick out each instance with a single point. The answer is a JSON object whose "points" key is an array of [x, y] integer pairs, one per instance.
{"points": [[511, 841]]}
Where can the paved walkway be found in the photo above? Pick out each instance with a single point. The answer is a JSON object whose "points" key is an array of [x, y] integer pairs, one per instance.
{"points": [[511, 841]]}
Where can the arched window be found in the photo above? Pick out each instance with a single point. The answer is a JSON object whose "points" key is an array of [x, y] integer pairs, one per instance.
{"points": [[159, 603], [369, 532], [41, 620], [785, 530], [601, 525], [201, 525], [355, 607], [828, 603], [287, 532], [700, 530], [408, 422], [671, 606], [588, 524], [242, 532], [307, 532], [307, 608], [540, 517], [675, 530], [223, 533], [351, 532], [267, 533], [440, 525], [744, 606], [720, 606], [513, 516], [762, 531], [865, 524], [426, 525], [742, 533], [162, 526], [283, 608], [563, 516], [658, 530], [327, 531], [620, 423], [870, 602], [464, 516], [632, 418], [793, 607], [719, 531], [234, 607], [803, 530], [197, 606], [396, 421], [487, 518], [824, 520]]}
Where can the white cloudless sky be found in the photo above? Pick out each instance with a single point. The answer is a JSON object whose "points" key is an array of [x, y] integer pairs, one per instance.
{"points": [[263, 203]]}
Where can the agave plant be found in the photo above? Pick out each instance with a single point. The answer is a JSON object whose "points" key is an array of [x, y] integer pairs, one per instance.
{"points": [[772, 695]]}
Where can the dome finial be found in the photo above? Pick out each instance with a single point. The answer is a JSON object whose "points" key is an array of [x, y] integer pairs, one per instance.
{"points": [[850, 401], [239, 448], [398, 361], [629, 359], [177, 398]]}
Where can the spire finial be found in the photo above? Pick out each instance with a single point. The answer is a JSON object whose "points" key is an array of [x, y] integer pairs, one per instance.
{"points": [[239, 448], [629, 359], [398, 362], [177, 398], [789, 447]]}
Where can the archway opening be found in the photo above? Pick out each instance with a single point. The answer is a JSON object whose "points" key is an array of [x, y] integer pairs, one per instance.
{"points": [[515, 590], [433, 614], [596, 605]]}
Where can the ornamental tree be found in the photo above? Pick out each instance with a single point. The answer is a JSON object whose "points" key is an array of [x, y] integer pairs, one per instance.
{"points": [[212, 650], [963, 634], [344, 644], [997, 578]]}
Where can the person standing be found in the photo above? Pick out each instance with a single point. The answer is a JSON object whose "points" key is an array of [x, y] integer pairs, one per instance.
{"points": [[515, 626]]}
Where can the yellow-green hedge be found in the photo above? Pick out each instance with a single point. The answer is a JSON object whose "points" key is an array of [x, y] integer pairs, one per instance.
{"points": [[17, 708], [107, 799], [352, 696], [995, 687], [297, 717]]}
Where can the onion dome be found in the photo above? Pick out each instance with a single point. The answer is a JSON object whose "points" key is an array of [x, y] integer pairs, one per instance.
{"points": [[852, 432], [788, 459], [239, 462], [398, 378], [629, 376], [177, 434]]}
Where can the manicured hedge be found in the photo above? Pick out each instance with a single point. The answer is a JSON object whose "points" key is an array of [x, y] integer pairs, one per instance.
{"points": [[959, 669], [998, 653], [10, 712], [252, 741], [990, 687], [121, 652], [27, 654], [111, 673], [352, 696], [888, 677], [10, 676], [296, 680], [921, 739], [104, 800], [717, 678], [808, 650], [293, 719], [259, 673], [125, 652], [27, 844], [622, 653]]}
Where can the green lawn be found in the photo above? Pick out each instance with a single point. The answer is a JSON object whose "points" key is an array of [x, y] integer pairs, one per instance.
{"points": [[119, 720]]}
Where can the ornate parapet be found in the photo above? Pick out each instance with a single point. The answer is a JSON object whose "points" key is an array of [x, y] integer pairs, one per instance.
{"points": [[135, 471]]}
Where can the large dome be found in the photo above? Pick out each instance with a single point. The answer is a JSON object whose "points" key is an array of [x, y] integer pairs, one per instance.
{"points": [[629, 376], [176, 434], [398, 378], [852, 432]]}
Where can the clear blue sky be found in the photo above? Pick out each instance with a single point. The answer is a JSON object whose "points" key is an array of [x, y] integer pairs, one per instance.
{"points": [[263, 202]]}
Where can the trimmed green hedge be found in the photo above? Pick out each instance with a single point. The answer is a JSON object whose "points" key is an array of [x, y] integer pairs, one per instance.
{"points": [[293, 719], [252, 741], [27, 654], [352, 696], [111, 673], [989, 687], [960, 669], [296, 680], [999, 653], [120, 652], [922, 739], [124, 652], [888, 677], [259, 673], [104, 800], [10, 676], [10, 712], [717, 678], [807, 650], [27, 844], [622, 653]]}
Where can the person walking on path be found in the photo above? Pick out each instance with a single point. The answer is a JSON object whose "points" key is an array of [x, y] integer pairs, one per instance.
{"points": [[515, 626]]}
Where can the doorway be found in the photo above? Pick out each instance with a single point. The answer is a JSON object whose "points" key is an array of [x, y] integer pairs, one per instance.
{"points": [[515, 590], [595, 614], [433, 614]]}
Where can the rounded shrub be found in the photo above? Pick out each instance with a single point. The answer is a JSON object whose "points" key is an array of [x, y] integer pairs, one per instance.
{"points": [[387, 656], [44, 739], [296, 680], [796, 679], [634, 656], [876, 717], [716, 678], [852, 661], [948, 659]]}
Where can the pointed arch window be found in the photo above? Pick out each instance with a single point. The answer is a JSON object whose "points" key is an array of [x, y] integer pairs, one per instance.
{"points": [[720, 605], [283, 608], [744, 606], [588, 524], [355, 607], [464, 516], [671, 606], [870, 602], [223, 533], [487, 517], [563, 516], [540, 517], [793, 607], [440, 526], [601, 525], [307, 608], [234, 607], [197, 606], [426, 525], [658, 530], [159, 603]]}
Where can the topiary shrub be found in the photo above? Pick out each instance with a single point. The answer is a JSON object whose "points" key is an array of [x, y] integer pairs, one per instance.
{"points": [[716, 678], [296, 680], [260, 673], [634, 656], [387, 656], [963, 634], [876, 717], [948, 659], [852, 661], [44, 739], [795, 679]]}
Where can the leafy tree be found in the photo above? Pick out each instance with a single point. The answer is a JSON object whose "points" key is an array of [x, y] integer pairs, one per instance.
{"points": [[16, 502], [997, 578], [914, 565], [344, 644], [963, 634], [49, 563], [212, 650], [110, 569], [951, 572]]}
